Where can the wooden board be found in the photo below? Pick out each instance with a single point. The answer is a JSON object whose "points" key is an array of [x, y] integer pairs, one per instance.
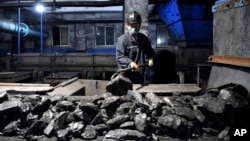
{"points": [[23, 87], [236, 61], [93, 87], [15, 76], [167, 88]]}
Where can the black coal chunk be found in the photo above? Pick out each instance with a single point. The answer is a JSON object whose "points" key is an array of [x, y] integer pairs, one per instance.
{"points": [[36, 128], [33, 99], [101, 129], [117, 120], [61, 121], [128, 125], [88, 107], [142, 122], [178, 124], [11, 129], [185, 112], [112, 101], [89, 133], [134, 116], [64, 134], [210, 103], [88, 111], [10, 107], [47, 116], [41, 107], [152, 98], [56, 98], [125, 108], [119, 85], [3, 96], [126, 134], [7, 109], [49, 128], [64, 106], [232, 98], [76, 128]]}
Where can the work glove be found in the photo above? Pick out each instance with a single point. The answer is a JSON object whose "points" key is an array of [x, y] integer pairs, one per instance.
{"points": [[150, 62]]}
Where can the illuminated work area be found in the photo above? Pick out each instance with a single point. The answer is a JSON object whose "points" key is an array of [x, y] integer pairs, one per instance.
{"points": [[143, 70]]}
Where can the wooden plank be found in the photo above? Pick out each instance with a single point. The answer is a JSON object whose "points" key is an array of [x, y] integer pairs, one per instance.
{"points": [[15, 76], [4, 73], [236, 61], [167, 88], [23, 87]]}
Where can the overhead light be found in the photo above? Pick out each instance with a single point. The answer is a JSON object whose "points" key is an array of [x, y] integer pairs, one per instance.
{"points": [[39, 8]]}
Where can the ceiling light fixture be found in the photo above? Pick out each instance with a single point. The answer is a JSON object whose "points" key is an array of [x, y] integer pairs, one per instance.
{"points": [[40, 8]]}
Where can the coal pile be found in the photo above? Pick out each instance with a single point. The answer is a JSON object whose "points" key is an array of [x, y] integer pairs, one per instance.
{"points": [[134, 116]]}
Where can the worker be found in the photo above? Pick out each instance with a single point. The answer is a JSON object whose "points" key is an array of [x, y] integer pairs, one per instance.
{"points": [[134, 49]]}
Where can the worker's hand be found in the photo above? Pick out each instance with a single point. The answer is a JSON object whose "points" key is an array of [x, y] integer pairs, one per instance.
{"points": [[134, 66], [150, 62]]}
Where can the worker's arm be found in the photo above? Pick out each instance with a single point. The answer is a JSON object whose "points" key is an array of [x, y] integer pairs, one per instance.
{"points": [[121, 55], [150, 54]]}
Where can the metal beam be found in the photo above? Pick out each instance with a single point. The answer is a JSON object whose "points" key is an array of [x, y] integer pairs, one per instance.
{"points": [[73, 3], [61, 3], [235, 61], [224, 5]]}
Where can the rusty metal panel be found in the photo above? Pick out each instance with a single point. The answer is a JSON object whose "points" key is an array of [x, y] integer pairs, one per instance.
{"points": [[219, 6], [221, 75], [236, 61], [231, 36], [231, 32]]}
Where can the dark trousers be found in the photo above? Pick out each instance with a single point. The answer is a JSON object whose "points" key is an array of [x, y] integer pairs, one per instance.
{"points": [[136, 77]]}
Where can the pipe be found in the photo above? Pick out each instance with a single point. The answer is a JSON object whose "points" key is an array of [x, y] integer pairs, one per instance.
{"points": [[12, 27], [19, 34], [41, 31]]}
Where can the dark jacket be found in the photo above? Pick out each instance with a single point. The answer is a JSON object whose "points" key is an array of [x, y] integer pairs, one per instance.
{"points": [[136, 49]]}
